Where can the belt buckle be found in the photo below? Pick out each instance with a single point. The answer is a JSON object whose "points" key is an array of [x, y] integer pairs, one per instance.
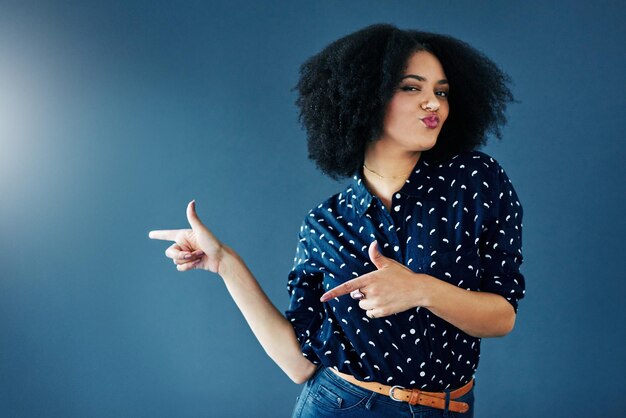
{"points": [[391, 392]]}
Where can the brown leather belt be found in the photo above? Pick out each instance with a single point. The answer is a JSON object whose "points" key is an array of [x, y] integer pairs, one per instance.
{"points": [[414, 396]]}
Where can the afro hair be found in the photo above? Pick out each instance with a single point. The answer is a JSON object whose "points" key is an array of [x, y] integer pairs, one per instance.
{"points": [[344, 90]]}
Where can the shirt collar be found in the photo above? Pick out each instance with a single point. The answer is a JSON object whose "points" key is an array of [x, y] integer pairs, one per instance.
{"points": [[362, 198], [414, 185]]}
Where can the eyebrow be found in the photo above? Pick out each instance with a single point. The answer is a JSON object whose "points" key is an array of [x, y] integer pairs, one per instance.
{"points": [[420, 78]]}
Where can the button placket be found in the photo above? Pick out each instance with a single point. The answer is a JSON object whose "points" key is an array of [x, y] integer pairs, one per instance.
{"points": [[391, 230]]}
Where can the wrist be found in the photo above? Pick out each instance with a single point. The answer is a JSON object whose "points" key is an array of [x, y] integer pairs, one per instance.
{"points": [[227, 260], [428, 290]]}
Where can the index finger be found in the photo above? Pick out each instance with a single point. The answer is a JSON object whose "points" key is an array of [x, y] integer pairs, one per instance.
{"points": [[345, 288], [164, 234]]}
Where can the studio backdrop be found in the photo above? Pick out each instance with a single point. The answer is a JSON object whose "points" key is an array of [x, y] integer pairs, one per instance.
{"points": [[115, 114]]}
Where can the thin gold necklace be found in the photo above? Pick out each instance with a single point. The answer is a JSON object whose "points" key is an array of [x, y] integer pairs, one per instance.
{"points": [[383, 177]]}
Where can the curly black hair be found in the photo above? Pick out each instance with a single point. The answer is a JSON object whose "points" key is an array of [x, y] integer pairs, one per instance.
{"points": [[343, 92]]}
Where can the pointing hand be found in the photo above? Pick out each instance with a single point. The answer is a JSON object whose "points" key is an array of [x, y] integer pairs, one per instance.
{"points": [[195, 248], [390, 289]]}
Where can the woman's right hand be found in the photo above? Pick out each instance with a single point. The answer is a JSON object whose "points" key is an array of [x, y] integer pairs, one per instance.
{"points": [[195, 248]]}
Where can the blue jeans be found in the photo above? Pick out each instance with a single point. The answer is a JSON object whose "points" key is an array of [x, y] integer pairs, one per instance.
{"points": [[327, 395]]}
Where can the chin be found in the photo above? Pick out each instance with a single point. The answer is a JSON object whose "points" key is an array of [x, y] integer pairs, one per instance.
{"points": [[425, 146]]}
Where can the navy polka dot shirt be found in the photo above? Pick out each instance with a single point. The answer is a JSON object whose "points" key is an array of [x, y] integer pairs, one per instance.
{"points": [[458, 220]]}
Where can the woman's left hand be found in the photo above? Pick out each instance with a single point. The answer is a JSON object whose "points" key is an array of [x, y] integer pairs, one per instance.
{"points": [[392, 288]]}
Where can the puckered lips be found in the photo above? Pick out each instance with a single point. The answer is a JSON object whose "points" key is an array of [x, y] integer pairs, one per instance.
{"points": [[431, 121]]}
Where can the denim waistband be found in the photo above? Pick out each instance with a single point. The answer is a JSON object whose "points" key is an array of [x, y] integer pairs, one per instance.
{"points": [[328, 375]]}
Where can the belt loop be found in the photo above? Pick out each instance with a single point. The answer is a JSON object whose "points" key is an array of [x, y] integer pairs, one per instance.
{"points": [[370, 401], [446, 410]]}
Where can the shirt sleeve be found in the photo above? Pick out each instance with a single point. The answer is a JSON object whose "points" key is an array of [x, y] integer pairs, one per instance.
{"points": [[305, 288], [502, 243]]}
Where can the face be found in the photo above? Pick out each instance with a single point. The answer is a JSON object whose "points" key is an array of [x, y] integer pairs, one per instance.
{"points": [[419, 106]]}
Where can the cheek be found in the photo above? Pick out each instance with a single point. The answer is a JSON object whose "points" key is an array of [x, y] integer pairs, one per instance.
{"points": [[444, 112], [393, 108], [393, 116]]}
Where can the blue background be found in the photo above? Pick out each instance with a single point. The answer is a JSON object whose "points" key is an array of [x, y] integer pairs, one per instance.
{"points": [[113, 115]]}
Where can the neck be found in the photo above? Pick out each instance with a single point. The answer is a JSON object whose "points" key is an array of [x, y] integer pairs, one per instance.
{"points": [[387, 171], [387, 164]]}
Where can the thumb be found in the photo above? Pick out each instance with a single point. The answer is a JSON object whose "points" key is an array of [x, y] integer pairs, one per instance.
{"points": [[376, 256], [192, 216]]}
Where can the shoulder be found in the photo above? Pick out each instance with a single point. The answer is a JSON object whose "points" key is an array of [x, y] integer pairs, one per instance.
{"points": [[330, 209], [472, 166], [475, 160], [472, 173], [485, 175]]}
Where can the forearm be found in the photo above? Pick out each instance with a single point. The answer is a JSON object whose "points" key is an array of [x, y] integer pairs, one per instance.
{"points": [[271, 328], [479, 314]]}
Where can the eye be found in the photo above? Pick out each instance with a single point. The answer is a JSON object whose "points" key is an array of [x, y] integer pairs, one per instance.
{"points": [[443, 93], [409, 88]]}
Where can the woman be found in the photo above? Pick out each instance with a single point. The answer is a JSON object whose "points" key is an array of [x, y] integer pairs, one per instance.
{"points": [[397, 278]]}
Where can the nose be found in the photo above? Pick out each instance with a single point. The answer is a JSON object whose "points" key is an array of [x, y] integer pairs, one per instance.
{"points": [[430, 103]]}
